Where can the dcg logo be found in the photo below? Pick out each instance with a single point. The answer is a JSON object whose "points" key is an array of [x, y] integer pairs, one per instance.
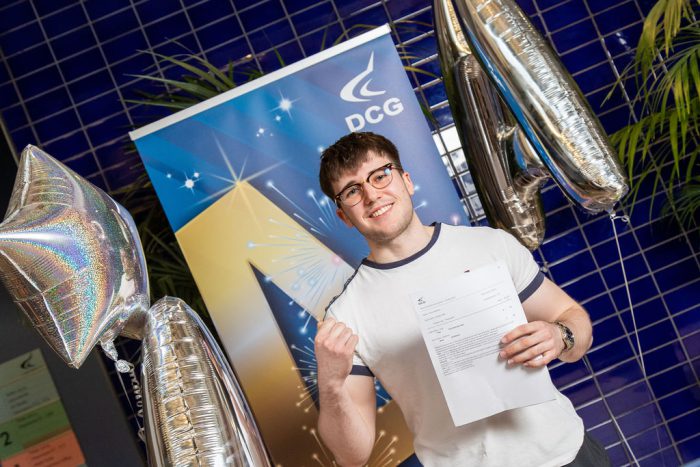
{"points": [[374, 113]]}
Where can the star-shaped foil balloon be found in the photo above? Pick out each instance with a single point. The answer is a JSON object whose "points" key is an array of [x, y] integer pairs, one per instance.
{"points": [[71, 258]]}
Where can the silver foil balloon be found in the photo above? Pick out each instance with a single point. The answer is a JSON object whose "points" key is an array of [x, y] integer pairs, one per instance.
{"points": [[545, 100], [506, 171], [71, 258], [196, 414]]}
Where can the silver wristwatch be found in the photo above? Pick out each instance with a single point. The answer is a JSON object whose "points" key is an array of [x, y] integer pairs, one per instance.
{"points": [[566, 335]]}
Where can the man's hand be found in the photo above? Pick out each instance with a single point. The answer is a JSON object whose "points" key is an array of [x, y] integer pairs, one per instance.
{"points": [[334, 346], [527, 342]]}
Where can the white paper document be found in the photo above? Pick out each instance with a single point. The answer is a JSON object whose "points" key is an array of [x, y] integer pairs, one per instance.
{"points": [[463, 321]]}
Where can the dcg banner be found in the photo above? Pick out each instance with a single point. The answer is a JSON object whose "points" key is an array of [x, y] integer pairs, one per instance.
{"points": [[238, 178]]}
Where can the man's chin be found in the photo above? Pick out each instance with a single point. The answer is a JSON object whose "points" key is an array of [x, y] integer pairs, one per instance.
{"points": [[384, 235]]}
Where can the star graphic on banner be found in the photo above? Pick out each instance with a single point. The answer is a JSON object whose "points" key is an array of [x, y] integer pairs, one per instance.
{"points": [[234, 177], [285, 105], [189, 182]]}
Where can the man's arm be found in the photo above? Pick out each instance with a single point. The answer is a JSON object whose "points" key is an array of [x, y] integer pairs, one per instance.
{"points": [[346, 421], [540, 336]]}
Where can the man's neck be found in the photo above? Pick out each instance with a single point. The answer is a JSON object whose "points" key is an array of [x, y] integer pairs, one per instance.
{"points": [[409, 242]]}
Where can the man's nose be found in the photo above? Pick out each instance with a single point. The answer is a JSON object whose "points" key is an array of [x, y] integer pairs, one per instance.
{"points": [[370, 193]]}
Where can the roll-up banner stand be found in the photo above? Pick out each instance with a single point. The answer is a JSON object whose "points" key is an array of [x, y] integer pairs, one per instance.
{"points": [[237, 176]]}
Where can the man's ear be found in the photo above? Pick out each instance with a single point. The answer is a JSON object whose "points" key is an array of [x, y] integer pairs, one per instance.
{"points": [[339, 212], [408, 182]]}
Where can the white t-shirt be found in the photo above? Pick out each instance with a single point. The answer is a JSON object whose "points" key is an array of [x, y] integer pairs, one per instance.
{"points": [[375, 305]]}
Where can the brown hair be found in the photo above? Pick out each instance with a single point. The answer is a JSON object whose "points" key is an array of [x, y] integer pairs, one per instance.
{"points": [[348, 153]]}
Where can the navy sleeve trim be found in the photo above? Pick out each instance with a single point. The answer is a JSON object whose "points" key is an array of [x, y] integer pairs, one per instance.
{"points": [[345, 286], [361, 370], [530, 289]]}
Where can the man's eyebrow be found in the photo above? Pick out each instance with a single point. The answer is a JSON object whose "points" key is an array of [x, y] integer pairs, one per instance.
{"points": [[349, 184]]}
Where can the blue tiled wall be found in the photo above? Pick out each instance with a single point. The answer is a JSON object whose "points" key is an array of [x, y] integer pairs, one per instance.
{"points": [[67, 72]]}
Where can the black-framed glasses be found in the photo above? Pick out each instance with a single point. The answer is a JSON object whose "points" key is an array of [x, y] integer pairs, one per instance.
{"points": [[379, 178]]}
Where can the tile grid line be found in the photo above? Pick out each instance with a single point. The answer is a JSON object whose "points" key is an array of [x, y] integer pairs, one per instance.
{"points": [[70, 97], [646, 430], [10, 5], [142, 28], [129, 83], [628, 385], [621, 313], [245, 35], [635, 409], [65, 33], [627, 360], [293, 27], [23, 106], [130, 31], [626, 447], [195, 31], [61, 34], [641, 328], [106, 41], [657, 426], [36, 17], [627, 234], [68, 57], [150, 46], [109, 70]]}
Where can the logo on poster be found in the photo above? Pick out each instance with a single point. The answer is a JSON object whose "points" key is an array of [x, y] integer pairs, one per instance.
{"points": [[374, 113]]}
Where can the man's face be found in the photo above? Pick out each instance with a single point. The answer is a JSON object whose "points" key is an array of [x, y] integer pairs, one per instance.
{"points": [[383, 214]]}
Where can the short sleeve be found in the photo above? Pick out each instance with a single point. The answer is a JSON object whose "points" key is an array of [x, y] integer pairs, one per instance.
{"points": [[525, 272], [359, 367]]}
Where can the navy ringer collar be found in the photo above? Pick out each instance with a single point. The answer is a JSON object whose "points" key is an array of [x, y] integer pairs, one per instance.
{"points": [[413, 257]]}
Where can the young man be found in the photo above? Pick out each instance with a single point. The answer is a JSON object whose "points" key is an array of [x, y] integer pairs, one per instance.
{"points": [[370, 328]]}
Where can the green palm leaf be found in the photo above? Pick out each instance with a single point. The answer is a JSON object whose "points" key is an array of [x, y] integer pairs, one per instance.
{"points": [[667, 75]]}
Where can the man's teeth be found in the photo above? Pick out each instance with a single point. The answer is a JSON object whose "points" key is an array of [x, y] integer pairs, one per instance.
{"points": [[381, 211]]}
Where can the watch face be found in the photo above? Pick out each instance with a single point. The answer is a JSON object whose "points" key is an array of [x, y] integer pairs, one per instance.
{"points": [[566, 335]]}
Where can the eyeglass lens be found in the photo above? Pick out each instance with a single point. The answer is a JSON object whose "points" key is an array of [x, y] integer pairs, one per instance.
{"points": [[379, 179]]}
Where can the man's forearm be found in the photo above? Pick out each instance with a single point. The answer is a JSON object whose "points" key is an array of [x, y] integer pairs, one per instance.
{"points": [[578, 321], [342, 427]]}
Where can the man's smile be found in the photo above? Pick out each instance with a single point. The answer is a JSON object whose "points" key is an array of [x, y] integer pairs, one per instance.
{"points": [[381, 210]]}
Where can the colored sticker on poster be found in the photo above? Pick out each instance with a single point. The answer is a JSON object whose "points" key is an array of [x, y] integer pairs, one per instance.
{"points": [[34, 426]]}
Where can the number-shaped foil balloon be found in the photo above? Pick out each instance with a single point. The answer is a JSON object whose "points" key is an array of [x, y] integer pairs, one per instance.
{"points": [[506, 171], [564, 136]]}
